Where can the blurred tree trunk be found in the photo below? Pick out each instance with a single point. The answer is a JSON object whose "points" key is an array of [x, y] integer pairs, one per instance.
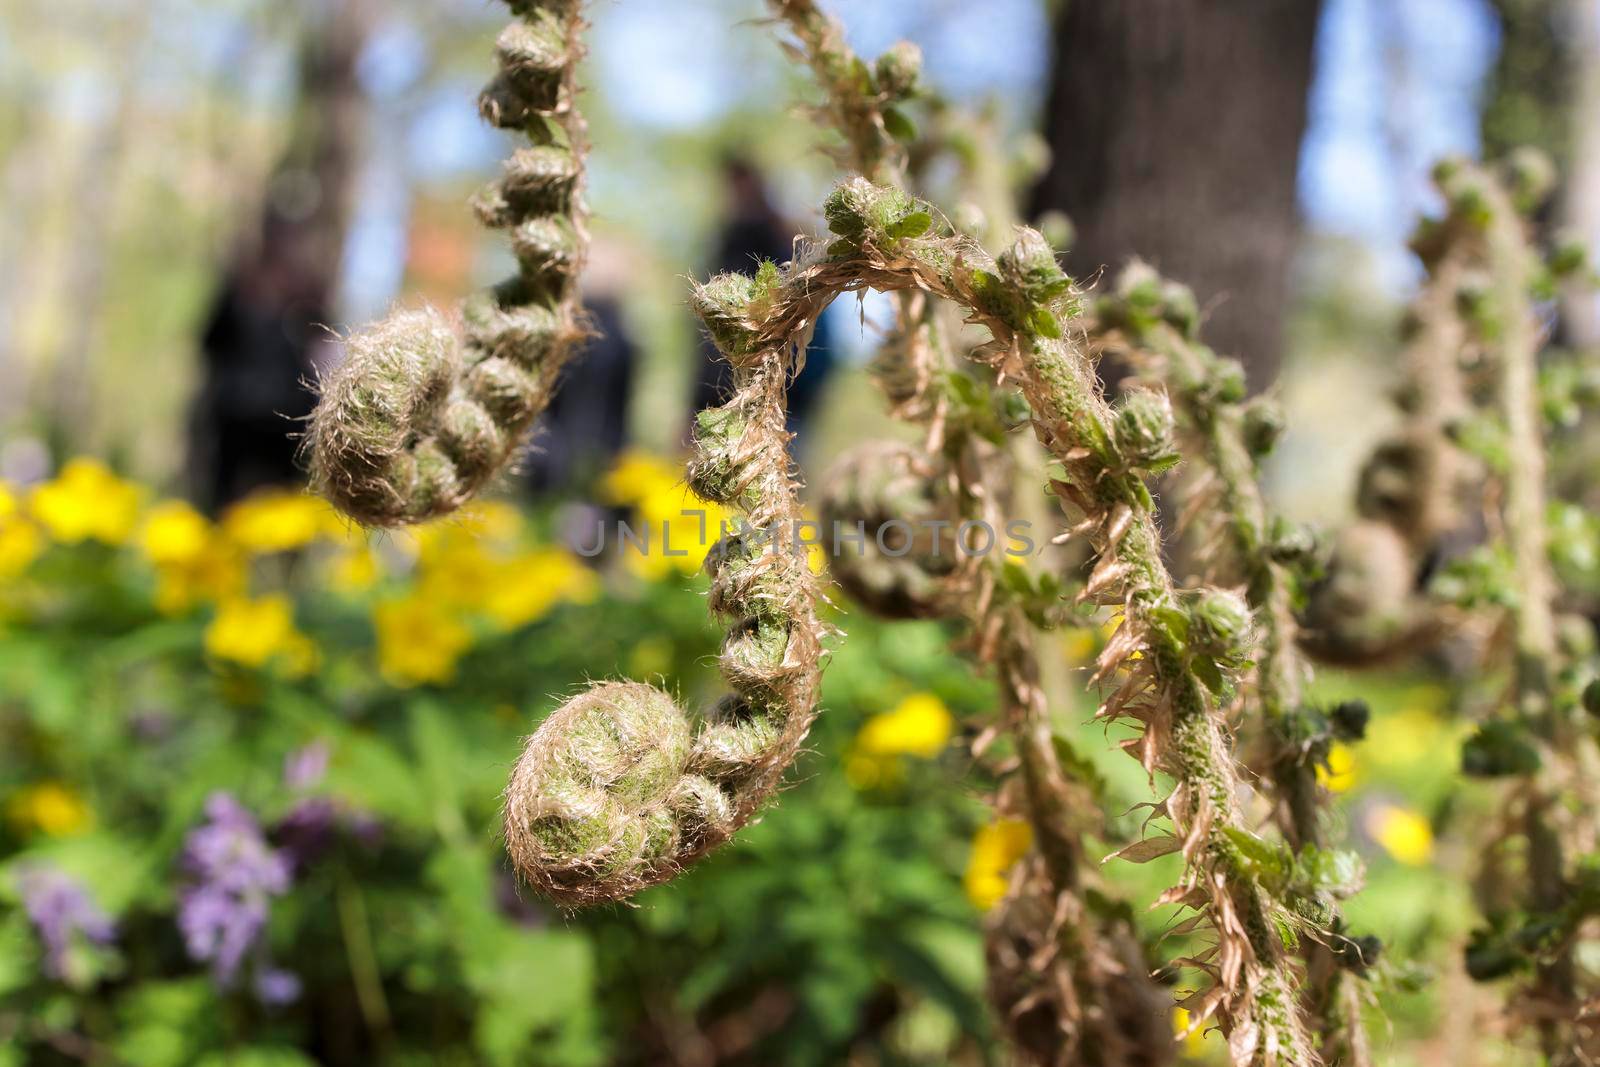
{"points": [[1175, 130], [269, 318]]}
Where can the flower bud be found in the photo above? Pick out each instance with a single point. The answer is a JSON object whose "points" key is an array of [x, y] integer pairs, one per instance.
{"points": [[1219, 622], [1143, 427], [540, 180], [1030, 265], [858, 210], [1263, 426], [716, 471], [1179, 308], [899, 69], [1292, 543], [723, 305], [1228, 383], [533, 56], [1531, 177]]}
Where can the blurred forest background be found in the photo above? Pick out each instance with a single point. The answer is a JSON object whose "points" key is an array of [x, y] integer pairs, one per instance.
{"points": [[1275, 160], [200, 196]]}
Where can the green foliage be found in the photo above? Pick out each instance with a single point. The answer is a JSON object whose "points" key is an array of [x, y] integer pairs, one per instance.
{"points": [[844, 906]]}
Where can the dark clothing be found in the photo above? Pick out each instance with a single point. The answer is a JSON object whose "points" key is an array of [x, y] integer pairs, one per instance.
{"points": [[745, 242], [253, 396], [586, 425]]}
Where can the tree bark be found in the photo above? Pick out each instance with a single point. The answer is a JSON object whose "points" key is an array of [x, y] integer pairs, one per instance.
{"points": [[1175, 130]]}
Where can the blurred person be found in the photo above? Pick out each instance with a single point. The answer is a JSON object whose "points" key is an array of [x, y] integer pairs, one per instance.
{"points": [[265, 330], [753, 230], [257, 349], [586, 425]]}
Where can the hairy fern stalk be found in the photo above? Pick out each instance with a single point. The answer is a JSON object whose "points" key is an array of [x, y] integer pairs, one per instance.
{"points": [[621, 788]]}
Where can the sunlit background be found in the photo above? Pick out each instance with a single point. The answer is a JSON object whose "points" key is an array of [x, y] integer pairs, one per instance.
{"points": [[172, 631]]}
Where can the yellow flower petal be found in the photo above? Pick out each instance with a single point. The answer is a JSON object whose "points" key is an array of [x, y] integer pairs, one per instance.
{"points": [[638, 475], [50, 808], [1340, 773], [276, 521], [175, 533], [418, 642], [920, 725], [1402, 833], [20, 544], [252, 632], [527, 588], [86, 501], [995, 850]]}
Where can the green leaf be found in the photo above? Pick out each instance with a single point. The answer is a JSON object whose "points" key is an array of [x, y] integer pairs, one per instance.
{"points": [[258, 1056], [900, 127], [1335, 872], [915, 224], [1043, 322], [167, 1024], [1205, 668]]}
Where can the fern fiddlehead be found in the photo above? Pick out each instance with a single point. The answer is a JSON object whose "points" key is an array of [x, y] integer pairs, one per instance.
{"points": [[422, 414]]}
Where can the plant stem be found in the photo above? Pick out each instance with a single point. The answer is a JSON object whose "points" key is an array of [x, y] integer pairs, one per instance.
{"points": [[359, 952]]}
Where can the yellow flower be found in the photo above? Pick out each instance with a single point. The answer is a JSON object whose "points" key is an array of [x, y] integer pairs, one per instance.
{"points": [[417, 641], [20, 544], [193, 564], [675, 530], [355, 569], [638, 475], [872, 772], [215, 575], [277, 521], [252, 632], [1194, 1040], [995, 850], [454, 569], [529, 586], [86, 501], [50, 808], [919, 725], [493, 520], [816, 552], [1402, 833], [175, 533], [1340, 773]]}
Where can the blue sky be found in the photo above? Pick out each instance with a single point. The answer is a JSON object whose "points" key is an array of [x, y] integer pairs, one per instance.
{"points": [[1396, 87]]}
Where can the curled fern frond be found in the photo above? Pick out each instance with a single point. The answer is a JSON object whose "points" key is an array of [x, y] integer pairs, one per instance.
{"points": [[423, 413]]}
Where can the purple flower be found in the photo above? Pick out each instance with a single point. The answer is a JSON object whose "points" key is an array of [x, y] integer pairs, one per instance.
{"points": [[304, 767], [232, 875], [62, 914], [276, 987]]}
